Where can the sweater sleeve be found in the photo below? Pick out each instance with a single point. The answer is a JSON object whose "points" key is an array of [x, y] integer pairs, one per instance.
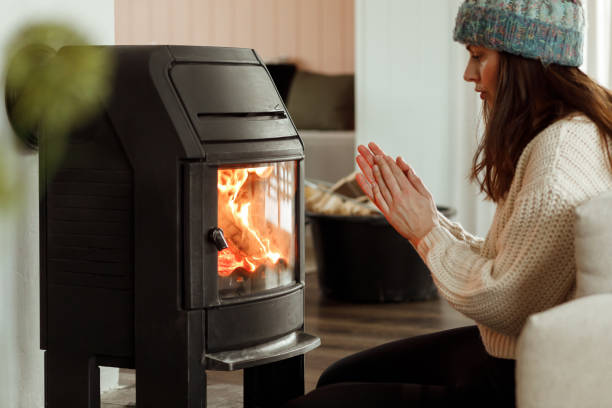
{"points": [[532, 270], [460, 234]]}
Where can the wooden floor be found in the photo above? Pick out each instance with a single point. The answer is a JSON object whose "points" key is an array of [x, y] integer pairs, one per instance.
{"points": [[344, 329]]}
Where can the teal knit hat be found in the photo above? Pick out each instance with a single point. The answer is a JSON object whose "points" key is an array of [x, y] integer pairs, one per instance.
{"points": [[548, 30]]}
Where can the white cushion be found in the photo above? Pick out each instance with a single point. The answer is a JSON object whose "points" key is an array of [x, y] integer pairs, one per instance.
{"points": [[564, 356], [593, 245]]}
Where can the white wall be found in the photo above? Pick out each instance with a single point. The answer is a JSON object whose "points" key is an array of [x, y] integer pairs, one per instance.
{"points": [[21, 361], [411, 98], [598, 44], [402, 60]]}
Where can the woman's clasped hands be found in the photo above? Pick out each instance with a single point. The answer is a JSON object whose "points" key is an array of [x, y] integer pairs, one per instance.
{"points": [[397, 192]]}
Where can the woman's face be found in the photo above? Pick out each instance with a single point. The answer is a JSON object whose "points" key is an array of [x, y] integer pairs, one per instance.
{"points": [[483, 69]]}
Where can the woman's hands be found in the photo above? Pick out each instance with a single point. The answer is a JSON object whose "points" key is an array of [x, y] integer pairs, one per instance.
{"points": [[397, 192]]}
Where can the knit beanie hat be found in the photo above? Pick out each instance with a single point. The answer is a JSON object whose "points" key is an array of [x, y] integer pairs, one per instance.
{"points": [[548, 30]]}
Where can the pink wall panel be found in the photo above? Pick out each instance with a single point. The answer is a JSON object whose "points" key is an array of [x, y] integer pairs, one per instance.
{"points": [[332, 34], [244, 23], [265, 20], [309, 37], [287, 17], [348, 35], [317, 34], [122, 17], [223, 22], [200, 21], [179, 31], [159, 22]]}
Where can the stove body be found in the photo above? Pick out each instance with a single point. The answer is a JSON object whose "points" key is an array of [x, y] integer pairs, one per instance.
{"points": [[131, 235]]}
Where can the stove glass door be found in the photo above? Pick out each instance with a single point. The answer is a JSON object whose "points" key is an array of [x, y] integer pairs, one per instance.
{"points": [[257, 213]]}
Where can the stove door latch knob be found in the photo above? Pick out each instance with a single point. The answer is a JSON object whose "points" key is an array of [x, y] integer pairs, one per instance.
{"points": [[216, 236]]}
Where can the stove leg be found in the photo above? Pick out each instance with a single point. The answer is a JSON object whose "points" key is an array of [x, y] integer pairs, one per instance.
{"points": [[71, 381], [169, 387], [271, 385]]}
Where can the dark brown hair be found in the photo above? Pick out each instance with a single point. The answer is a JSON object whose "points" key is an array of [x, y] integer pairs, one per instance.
{"points": [[530, 97]]}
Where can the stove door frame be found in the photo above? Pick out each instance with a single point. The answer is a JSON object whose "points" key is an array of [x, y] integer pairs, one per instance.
{"points": [[200, 285]]}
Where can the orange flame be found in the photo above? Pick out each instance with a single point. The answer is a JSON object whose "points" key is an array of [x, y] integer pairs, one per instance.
{"points": [[236, 217]]}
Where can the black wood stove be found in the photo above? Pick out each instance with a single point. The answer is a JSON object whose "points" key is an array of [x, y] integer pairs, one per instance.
{"points": [[172, 235]]}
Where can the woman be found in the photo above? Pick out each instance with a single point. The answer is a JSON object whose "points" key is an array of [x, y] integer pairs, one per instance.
{"points": [[545, 150]]}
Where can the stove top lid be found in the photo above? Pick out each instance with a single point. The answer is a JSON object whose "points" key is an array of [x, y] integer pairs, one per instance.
{"points": [[229, 97]]}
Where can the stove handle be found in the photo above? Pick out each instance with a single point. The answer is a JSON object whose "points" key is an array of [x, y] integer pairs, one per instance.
{"points": [[216, 236]]}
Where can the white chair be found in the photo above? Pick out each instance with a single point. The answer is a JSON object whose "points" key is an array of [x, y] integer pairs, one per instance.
{"points": [[564, 354]]}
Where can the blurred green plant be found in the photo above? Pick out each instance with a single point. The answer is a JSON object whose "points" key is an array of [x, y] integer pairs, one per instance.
{"points": [[50, 88]]}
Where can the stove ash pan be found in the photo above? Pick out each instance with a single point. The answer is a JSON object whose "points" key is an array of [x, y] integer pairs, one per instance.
{"points": [[172, 235]]}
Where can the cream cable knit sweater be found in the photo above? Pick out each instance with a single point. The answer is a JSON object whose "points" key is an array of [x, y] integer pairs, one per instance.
{"points": [[526, 264]]}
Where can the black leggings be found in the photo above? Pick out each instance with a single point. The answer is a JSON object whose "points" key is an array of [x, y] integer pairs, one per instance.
{"points": [[449, 368]]}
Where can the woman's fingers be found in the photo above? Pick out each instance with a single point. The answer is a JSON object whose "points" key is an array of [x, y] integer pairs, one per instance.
{"points": [[379, 199], [365, 186], [375, 149], [402, 164], [367, 154], [400, 176], [388, 176], [366, 168], [373, 193], [407, 170], [392, 181], [381, 186], [413, 178]]}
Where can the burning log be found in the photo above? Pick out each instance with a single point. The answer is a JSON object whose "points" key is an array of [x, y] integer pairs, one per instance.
{"points": [[238, 283], [264, 278], [253, 207]]}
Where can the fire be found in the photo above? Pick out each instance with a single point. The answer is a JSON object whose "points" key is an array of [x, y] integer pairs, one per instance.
{"points": [[248, 236]]}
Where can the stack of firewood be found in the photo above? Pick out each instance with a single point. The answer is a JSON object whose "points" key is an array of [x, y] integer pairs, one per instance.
{"points": [[343, 198]]}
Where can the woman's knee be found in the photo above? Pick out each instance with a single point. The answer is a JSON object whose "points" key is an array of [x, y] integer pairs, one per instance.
{"points": [[332, 375], [358, 367]]}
